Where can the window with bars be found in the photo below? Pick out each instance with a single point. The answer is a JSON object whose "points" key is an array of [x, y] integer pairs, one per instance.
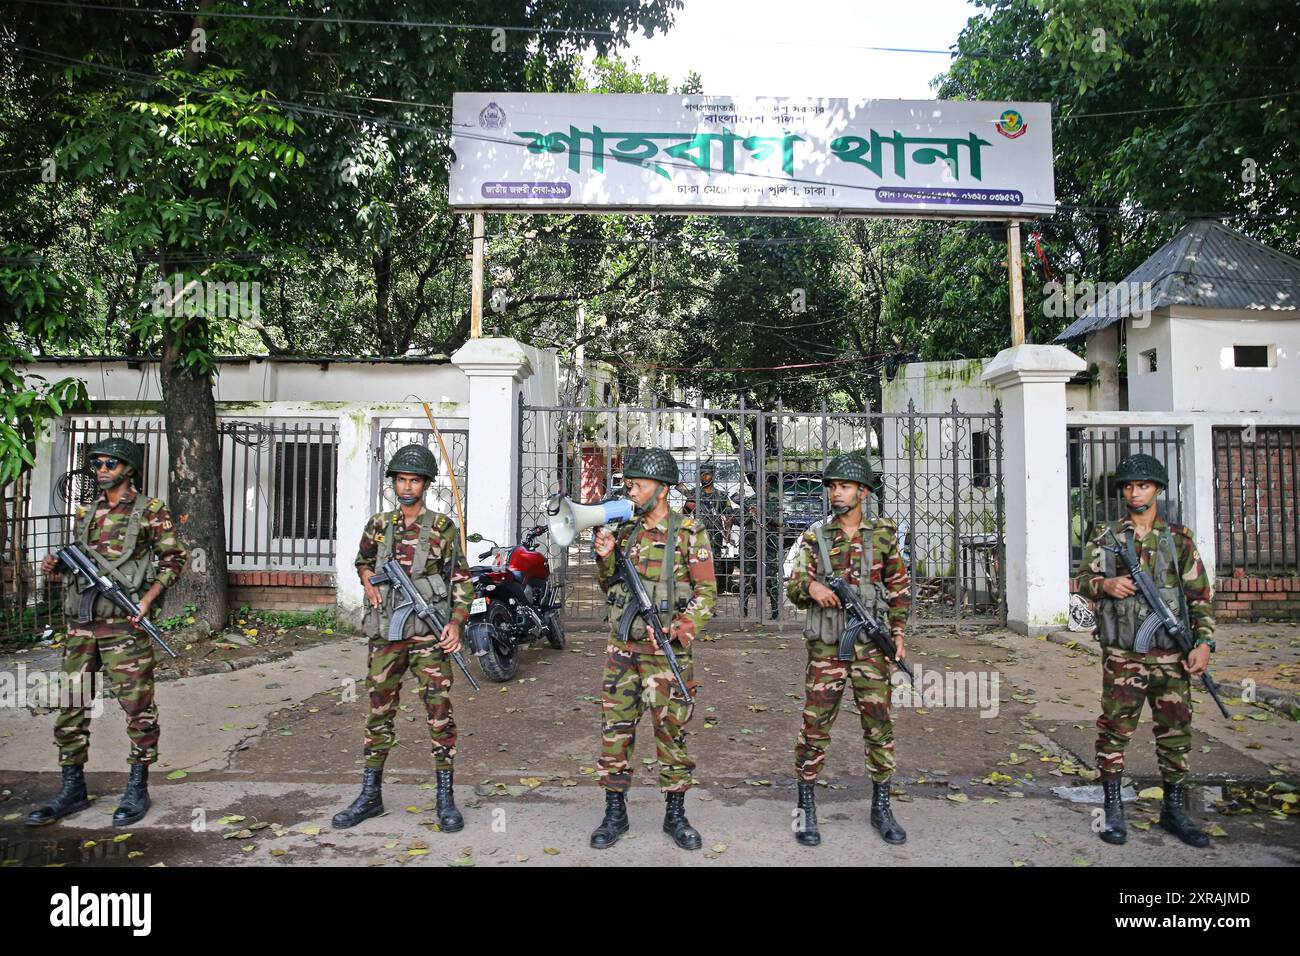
{"points": [[304, 504]]}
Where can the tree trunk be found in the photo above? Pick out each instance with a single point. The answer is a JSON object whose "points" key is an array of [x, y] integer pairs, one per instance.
{"points": [[195, 493], [382, 264]]}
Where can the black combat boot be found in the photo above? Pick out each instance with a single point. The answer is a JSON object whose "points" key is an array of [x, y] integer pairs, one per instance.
{"points": [[807, 833], [370, 802], [615, 823], [882, 818], [1115, 830], [449, 818], [71, 798], [135, 801], [1174, 818], [677, 826]]}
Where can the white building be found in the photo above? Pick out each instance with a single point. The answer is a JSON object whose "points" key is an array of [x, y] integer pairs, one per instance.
{"points": [[1209, 330], [1209, 323]]}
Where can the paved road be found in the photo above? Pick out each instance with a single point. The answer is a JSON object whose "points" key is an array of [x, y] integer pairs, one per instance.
{"points": [[279, 744]]}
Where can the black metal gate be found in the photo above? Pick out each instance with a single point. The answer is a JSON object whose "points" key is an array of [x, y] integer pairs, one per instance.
{"points": [[942, 474]]}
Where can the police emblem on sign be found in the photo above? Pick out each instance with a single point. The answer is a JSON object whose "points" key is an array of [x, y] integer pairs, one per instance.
{"points": [[1011, 124], [492, 117]]}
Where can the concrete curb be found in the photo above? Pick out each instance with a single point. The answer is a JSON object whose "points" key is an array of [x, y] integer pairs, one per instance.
{"points": [[225, 667], [1283, 700]]}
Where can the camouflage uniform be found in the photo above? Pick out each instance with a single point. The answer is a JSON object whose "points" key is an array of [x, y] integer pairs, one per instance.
{"points": [[1169, 553], [128, 536], [435, 540], [868, 672], [770, 534], [636, 674]]}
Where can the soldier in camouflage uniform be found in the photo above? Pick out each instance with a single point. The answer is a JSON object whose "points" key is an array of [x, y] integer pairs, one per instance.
{"points": [[427, 545], [865, 553], [1161, 677], [125, 532], [636, 674], [767, 533], [715, 509]]}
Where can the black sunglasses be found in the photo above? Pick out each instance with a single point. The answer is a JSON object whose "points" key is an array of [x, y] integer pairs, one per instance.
{"points": [[103, 464]]}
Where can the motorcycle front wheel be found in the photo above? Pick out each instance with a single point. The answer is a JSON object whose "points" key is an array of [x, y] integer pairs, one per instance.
{"points": [[555, 630]]}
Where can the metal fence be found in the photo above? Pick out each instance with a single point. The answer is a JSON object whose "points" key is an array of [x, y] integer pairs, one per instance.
{"points": [[278, 480], [1257, 500], [1093, 452], [942, 482], [29, 601]]}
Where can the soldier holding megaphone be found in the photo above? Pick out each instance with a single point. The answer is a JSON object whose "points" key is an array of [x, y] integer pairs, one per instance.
{"points": [[673, 558]]}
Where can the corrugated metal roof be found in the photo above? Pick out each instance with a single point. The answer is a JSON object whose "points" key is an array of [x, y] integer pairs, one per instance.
{"points": [[1206, 265]]}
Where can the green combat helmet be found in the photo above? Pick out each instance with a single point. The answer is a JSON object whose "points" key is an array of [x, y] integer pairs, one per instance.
{"points": [[851, 466], [122, 449], [413, 460], [653, 463], [1141, 468]]}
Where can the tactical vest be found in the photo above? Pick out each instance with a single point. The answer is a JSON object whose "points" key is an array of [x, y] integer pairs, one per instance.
{"points": [[1118, 620], [667, 592], [827, 624], [135, 573], [434, 588]]}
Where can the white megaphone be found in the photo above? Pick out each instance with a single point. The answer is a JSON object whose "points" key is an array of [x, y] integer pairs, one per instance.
{"points": [[567, 519]]}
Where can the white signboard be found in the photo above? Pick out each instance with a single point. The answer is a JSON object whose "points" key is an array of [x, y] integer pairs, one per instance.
{"points": [[575, 152]]}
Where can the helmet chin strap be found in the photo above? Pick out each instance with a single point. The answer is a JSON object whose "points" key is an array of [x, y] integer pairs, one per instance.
{"points": [[409, 500], [107, 484], [642, 510], [1139, 509], [845, 509]]}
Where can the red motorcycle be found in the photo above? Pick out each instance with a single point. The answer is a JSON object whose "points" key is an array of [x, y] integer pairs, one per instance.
{"points": [[515, 603]]}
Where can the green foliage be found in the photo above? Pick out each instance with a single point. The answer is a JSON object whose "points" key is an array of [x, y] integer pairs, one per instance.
{"points": [[321, 619], [36, 304], [181, 619], [311, 156]]}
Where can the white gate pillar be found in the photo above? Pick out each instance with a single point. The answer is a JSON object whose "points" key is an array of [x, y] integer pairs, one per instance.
{"points": [[494, 367], [354, 496], [1035, 481]]}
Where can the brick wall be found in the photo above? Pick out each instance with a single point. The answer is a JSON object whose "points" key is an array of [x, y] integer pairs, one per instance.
{"points": [[282, 590], [1240, 598]]}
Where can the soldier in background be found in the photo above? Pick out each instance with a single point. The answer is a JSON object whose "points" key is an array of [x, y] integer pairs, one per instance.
{"points": [[715, 509], [672, 556], [125, 532], [427, 545], [1161, 677]]}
